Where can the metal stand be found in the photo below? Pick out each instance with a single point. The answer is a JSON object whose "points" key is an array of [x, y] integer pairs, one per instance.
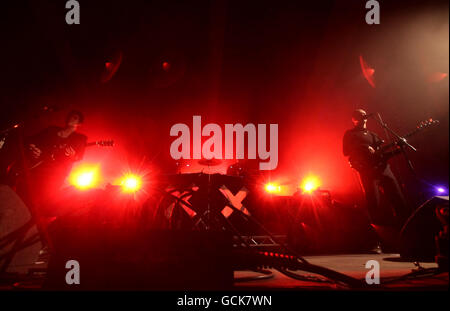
{"points": [[402, 142]]}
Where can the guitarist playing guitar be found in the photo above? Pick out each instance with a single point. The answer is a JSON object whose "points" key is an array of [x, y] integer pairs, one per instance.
{"points": [[38, 170], [361, 146], [37, 167], [49, 157]]}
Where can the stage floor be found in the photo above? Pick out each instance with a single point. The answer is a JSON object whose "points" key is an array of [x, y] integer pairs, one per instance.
{"points": [[353, 265], [350, 264]]}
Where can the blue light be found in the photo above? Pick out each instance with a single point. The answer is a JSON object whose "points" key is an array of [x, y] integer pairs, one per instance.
{"points": [[441, 190]]}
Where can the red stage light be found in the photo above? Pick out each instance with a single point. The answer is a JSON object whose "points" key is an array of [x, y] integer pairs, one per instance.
{"points": [[367, 72], [437, 77], [166, 66], [84, 177], [310, 184], [273, 188], [131, 183], [111, 66]]}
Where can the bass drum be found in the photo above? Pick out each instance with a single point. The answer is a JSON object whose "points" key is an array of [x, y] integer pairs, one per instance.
{"points": [[205, 202]]}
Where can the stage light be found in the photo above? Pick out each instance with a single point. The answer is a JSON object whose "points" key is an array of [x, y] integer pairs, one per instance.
{"points": [[437, 77], [441, 190], [166, 66], [272, 188], [131, 183], [310, 184], [84, 177], [112, 64], [367, 71]]}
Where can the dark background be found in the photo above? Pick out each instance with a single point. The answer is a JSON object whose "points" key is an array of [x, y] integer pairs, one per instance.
{"points": [[294, 63]]}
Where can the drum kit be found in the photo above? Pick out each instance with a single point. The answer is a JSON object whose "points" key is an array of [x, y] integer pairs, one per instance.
{"points": [[203, 201]]}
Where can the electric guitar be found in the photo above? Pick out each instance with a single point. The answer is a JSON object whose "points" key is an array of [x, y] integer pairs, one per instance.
{"points": [[377, 161], [54, 154], [57, 152]]}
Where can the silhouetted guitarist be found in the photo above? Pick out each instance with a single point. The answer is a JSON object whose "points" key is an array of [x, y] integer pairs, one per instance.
{"points": [[362, 148], [49, 158]]}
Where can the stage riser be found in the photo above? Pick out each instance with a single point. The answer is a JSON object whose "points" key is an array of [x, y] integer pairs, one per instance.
{"points": [[111, 259]]}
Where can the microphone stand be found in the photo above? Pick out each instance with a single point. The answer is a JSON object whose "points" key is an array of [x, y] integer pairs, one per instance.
{"points": [[5, 133], [9, 129], [402, 142]]}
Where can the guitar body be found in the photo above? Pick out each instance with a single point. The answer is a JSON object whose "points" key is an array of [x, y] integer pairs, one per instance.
{"points": [[376, 162]]}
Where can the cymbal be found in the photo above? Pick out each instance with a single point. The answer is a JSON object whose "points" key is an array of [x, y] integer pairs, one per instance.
{"points": [[210, 162]]}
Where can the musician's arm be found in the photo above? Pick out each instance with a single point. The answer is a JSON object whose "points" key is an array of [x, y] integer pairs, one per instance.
{"points": [[34, 143], [346, 144], [394, 152], [34, 150]]}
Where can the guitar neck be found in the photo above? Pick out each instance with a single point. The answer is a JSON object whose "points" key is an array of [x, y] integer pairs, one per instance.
{"points": [[102, 143], [390, 145]]}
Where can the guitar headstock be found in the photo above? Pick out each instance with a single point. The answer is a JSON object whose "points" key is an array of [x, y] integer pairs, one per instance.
{"points": [[427, 123], [105, 143], [422, 125]]}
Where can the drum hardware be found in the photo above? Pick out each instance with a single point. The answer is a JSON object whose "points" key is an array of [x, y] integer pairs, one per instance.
{"points": [[210, 162]]}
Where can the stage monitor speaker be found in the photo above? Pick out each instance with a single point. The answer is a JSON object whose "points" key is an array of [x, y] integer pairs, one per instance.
{"points": [[13, 215], [417, 237], [118, 259], [318, 224]]}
